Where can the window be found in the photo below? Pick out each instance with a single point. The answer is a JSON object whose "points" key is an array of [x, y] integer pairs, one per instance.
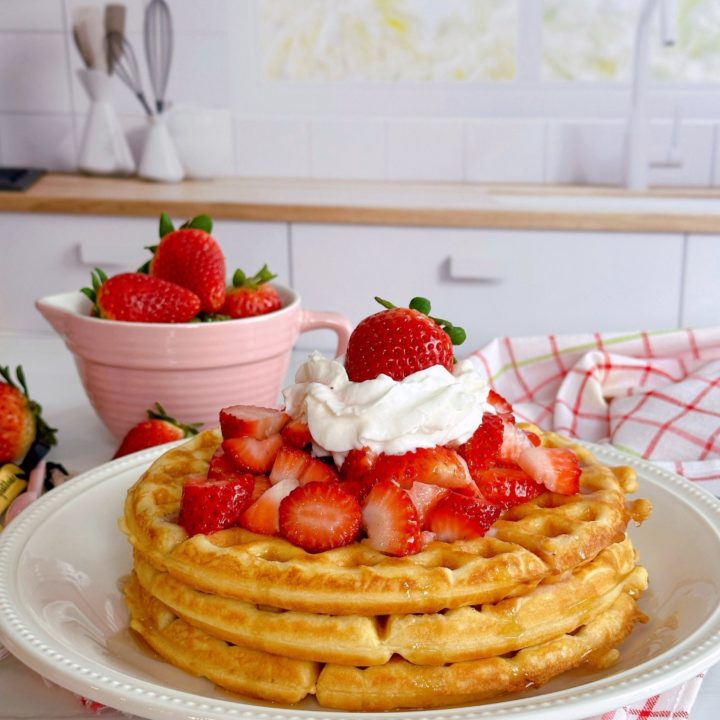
{"points": [[468, 58]]}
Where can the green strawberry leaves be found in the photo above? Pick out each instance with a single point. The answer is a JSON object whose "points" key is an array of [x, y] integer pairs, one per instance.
{"points": [[263, 275], [97, 278], [456, 334], [199, 222], [159, 413]]}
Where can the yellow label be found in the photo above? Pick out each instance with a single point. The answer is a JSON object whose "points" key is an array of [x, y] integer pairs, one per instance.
{"points": [[10, 485]]}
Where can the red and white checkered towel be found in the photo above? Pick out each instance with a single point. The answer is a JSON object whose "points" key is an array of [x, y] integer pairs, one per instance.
{"points": [[653, 395]]}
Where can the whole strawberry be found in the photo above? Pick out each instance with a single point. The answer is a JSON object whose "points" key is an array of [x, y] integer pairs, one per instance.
{"points": [[251, 296], [191, 257], [400, 341], [21, 422], [159, 428], [136, 297]]}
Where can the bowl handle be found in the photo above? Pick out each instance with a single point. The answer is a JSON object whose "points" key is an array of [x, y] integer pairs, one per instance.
{"points": [[336, 322]]}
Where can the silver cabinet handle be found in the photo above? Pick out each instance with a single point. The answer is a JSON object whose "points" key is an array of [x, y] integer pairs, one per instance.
{"points": [[475, 268], [110, 253]]}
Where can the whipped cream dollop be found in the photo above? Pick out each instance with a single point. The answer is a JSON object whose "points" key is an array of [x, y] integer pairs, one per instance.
{"points": [[430, 407]]}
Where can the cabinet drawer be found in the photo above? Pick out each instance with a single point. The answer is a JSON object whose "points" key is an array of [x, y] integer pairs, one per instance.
{"points": [[493, 283], [45, 254], [701, 295]]}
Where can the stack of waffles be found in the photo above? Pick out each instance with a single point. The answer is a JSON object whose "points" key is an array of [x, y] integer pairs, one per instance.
{"points": [[551, 586]]}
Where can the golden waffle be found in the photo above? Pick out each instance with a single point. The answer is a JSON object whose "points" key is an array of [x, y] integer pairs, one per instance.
{"points": [[545, 537], [394, 685], [466, 633]]}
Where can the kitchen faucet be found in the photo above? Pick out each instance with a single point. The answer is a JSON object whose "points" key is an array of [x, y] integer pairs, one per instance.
{"points": [[637, 158]]}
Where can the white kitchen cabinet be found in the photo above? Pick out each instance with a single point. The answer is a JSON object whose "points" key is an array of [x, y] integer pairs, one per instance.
{"points": [[701, 295], [45, 254], [493, 282]]}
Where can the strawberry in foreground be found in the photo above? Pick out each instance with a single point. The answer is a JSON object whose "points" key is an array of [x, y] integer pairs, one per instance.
{"points": [[159, 428], [320, 516], [21, 422], [250, 296], [400, 341], [190, 256], [136, 297], [211, 505]]}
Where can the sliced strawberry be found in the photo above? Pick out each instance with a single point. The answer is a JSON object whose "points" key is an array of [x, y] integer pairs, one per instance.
{"points": [[514, 441], [501, 405], [210, 505], [358, 464], [251, 421], [534, 438], [391, 520], [320, 516], [262, 483], [318, 471], [296, 434], [262, 516], [425, 497], [251, 455], [289, 464], [460, 517], [508, 486], [437, 466], [483, 448], [357, 488], [557, 469], [221, 468]]}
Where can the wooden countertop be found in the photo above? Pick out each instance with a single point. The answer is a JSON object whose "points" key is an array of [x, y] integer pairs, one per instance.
{"points": [[686, 210]]}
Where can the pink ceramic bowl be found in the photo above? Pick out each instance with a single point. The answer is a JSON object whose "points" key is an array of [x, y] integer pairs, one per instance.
{"points": [[192, 369]]}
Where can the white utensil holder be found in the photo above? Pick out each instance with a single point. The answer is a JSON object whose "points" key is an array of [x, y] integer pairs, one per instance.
{"points": [[104, 149], [160, 161]]}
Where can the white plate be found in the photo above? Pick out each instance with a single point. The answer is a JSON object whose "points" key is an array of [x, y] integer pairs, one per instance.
{"points": [[61, 611]]}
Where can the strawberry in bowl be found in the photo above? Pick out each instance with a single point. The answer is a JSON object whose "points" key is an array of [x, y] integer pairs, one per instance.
{"points": [[159, 334]]}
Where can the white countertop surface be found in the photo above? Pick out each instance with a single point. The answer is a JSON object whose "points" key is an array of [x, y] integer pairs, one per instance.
{"points": [[84, 443]]}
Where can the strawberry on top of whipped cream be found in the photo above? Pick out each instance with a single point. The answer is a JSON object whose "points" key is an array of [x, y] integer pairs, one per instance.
{"points": [[428, 408]]}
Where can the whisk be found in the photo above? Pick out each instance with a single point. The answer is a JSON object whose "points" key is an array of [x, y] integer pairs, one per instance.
{"points": [[158, 48], [123, 61]]}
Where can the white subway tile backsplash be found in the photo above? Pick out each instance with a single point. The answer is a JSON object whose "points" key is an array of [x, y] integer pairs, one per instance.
{"points": [[335, 131], [208, 16], [33, 73], [695, 143], [351, 149], [425, 150], [271, 147], [585, 152], [44, 141], [31, 15], [505, 151], [200, 72]]}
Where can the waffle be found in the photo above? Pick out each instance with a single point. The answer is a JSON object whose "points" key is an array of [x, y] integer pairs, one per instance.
{"points": [[466, 633], [551, 586], [533, 542], [396, 684]]}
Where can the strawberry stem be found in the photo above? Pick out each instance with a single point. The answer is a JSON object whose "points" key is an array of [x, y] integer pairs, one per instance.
{"points": [[166, 225], [159, 413], [263, 275], [200, 222], [97, 278], [455, 332]]}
